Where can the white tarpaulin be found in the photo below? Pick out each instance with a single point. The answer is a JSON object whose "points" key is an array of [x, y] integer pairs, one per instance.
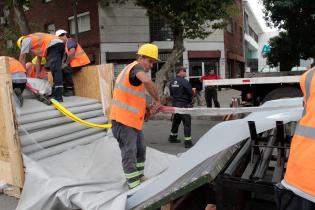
{"points": [[91, 176]]}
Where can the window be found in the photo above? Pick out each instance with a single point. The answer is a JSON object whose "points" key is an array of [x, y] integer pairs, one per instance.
{"points": [[51, 29], [246, 23], [160, 30], [83, 23], [9, 43], [230, 27]]}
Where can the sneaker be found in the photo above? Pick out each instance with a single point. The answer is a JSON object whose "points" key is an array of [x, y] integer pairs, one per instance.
{"points": [[173, 139], [19, 96], [188, 144]]}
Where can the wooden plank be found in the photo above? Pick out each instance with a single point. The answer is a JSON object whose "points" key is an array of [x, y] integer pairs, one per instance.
{"points": [[13, 191], [106, 76], [9, 139]]}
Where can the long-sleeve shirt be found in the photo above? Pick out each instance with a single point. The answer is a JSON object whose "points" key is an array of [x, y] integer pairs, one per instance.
{"points": [[181, 91]]}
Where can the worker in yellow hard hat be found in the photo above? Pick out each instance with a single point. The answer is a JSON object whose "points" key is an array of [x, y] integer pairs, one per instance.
{"points": [[31, 70], [129, 110]]}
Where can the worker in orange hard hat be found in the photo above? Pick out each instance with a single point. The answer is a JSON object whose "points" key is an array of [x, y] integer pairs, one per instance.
{"points": [[128, 111]]}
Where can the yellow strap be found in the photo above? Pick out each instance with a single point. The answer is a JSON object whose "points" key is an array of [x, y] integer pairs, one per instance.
{"points": [[73, 117]]}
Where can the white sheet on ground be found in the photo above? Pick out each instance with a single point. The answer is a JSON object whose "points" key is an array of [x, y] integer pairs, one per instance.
{"points": [[86, 177], [91, 177]]}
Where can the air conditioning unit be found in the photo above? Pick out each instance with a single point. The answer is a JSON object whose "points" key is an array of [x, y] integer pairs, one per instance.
{"points": [[2, 20]]}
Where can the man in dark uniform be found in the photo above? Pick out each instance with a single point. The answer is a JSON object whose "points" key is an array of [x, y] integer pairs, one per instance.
{"points": [[182, 96]]}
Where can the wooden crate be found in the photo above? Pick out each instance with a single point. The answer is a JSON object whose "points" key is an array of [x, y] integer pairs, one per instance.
{"points": [[92, 82]]}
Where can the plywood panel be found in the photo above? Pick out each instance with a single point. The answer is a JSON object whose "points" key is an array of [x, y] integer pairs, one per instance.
{"points": [[106, 76], [13, 172]]}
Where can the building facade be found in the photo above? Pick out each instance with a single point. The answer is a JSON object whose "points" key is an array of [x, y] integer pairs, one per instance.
{"points": [[51, 15]]}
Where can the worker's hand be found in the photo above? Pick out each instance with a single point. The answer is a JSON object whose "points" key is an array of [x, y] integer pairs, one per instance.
{"points": [[154, 108]]}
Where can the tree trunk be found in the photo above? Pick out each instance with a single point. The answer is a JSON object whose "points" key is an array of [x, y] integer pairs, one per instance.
{"points": [[75, 19], [20, 18], [177, 53]]}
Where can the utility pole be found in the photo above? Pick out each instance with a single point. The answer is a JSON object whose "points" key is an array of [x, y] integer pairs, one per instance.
{"points": [[75, 19]]}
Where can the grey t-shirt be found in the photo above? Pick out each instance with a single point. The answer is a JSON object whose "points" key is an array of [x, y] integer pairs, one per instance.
{"points": [[27, 44], [132, 75]]}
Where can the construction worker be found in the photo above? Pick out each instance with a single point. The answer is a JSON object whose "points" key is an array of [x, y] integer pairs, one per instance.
{"points": [[211, 91], [182, 96], [31, 70], [297, 189], [75, 58], [128, 111], [49, 46], [18, 73]]}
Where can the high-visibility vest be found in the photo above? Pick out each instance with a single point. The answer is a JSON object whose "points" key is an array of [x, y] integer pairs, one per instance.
{"points": [[15, 66], [129, 102], [80, 58], [32, 72], [300, 172], [40, 43]]}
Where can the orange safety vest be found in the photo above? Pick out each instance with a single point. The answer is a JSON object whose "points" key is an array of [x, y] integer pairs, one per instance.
{"points": [[42, 72], [129, 102], [15, 66], [80, 58], [300, 172], [40, 43]]}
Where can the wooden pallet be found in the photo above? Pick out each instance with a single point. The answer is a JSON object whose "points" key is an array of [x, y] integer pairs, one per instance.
{"points": [[92, 82]]}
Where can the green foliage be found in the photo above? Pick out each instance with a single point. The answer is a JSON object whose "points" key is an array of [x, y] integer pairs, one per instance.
{"points": [[297, 17], [193, 17]]}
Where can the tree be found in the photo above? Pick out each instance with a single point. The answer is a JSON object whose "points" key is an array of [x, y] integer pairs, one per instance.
{"points": [[297, 18], [20, 18], [284, 50], [188, 19]]}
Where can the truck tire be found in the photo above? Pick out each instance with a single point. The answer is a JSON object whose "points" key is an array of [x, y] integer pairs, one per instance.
{"points": [[283, 92]]}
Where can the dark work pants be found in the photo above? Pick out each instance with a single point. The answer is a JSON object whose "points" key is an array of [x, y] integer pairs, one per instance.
{"points": [[132, 148], [19, 85], [211, 94], [186, 119], [54, 61], [67, 76], [287, 200]]}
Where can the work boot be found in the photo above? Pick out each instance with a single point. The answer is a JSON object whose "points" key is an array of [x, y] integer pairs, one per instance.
{"points": [[173, 139], [188, 143], [69, 91], [57, 95], [19, 96]]}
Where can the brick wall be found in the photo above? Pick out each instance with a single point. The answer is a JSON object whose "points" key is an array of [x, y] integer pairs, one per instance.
{"points": [[57, 12], [234, 42]]}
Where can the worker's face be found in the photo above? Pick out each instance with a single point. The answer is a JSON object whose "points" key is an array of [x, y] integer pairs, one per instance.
{"points": [[182, 73], [147, 63]]}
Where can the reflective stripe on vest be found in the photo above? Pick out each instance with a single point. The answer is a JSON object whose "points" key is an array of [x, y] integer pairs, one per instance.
{"points": [[305, 131], [40, 43], [298, 192], [80, 57]]}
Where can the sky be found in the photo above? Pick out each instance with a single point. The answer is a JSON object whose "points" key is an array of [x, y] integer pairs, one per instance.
{"points": [[258, 7]]}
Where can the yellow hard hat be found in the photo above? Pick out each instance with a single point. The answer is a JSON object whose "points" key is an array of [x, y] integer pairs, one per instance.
{"points": [[34, 60], [19, 41], [150, 50]]}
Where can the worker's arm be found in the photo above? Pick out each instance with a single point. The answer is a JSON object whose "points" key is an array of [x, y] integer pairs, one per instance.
{"points": [[149, 86], [70, 55], [38, 65], [22, 59], [188, 88]]}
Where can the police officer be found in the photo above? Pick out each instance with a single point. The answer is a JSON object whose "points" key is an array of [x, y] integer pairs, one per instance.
{"points": [[182, 96]]}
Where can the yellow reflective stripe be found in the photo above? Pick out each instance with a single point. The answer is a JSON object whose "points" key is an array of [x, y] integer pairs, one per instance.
{"points": [[125, 106], [188, 138], [141, 172], [140, 164], [132, 175], [134, 184]]}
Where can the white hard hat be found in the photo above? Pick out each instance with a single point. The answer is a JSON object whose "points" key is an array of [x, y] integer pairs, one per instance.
{"points": [[60, 31]]}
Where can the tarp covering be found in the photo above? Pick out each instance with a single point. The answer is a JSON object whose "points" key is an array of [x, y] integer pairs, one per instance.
{"points": [[90, 176]]}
